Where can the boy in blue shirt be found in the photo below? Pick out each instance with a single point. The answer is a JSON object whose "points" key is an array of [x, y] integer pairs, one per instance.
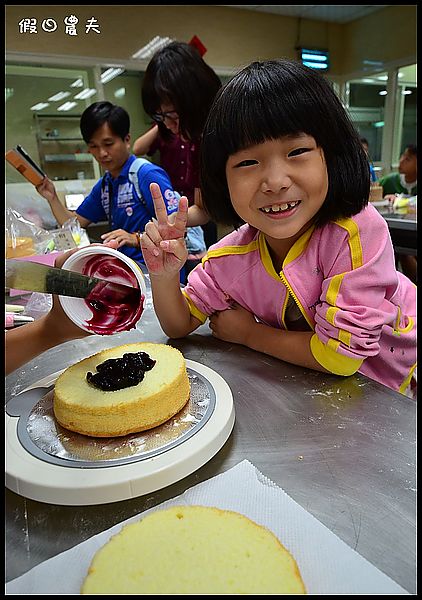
{"points": [[124, 186]]}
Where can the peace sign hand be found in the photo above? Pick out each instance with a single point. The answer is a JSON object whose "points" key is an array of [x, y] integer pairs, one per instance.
{"points": [[163, 242]]}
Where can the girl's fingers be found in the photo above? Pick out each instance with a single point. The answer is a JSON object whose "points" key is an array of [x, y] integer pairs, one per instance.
{"points": [[153, 233], [175, 247], [159, 204], [147, 244], [181, 217]]}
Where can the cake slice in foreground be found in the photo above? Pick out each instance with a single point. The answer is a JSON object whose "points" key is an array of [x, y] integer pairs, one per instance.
{"points": [[193, 550]]}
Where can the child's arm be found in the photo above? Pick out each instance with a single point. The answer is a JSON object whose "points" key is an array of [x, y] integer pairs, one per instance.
{"points": [[164, 251], [239, 326]]}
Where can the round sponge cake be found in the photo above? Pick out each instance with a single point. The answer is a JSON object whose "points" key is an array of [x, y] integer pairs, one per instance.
{"points": [[193, 550], [85, 409]]}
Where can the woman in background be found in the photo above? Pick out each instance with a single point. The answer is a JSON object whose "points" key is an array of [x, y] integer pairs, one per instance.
{"points": [[177, 92]]}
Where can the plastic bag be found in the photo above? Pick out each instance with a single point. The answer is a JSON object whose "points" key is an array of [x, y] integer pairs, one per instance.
{"points": [[75, 229], [24, 238]]}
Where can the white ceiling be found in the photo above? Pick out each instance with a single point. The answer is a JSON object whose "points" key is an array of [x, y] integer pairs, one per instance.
{"points": [[333, 14]]}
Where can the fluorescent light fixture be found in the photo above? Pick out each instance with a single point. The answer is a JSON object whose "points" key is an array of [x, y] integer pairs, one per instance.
{"points": [[153, 45], [315, 59], [40, 106], [8, 93], [367, 80], [406, 92], [378, 124], [86, 93], [110, 74], [77, 83], [67, 106], [59, 96], [120, 92], [373, 63], [383, 93], [383, 77], [315, 65]]}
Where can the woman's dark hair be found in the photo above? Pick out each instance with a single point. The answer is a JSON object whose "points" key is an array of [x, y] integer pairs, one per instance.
{"points": [[99, 113], [271, 99], [178, 75]]}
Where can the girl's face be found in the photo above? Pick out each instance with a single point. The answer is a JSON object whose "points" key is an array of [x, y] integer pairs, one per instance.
{"points": [[278, 186], [170, 118]]}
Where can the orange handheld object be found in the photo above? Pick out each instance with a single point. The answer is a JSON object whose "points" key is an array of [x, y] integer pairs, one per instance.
{"points": [[18, 158]]}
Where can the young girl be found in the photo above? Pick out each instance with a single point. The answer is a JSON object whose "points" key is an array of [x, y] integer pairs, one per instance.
{"points": [[177, 92], [309, 277]]}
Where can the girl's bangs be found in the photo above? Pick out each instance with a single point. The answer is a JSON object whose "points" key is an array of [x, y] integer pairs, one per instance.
{"points": [[247, 119]]}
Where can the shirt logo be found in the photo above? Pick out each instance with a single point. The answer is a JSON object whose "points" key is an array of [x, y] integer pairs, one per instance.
{"points": [[172, 198], [125, 195]]}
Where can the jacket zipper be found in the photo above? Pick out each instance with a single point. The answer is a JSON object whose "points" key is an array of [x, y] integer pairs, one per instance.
{"points": [[293, 295]]}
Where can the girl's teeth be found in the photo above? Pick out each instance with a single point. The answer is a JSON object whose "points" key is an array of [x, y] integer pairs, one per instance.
{"points": [[278, 207]]}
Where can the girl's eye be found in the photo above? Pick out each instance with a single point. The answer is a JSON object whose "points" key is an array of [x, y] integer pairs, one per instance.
{"points": [[246, 163], [299, 151]]}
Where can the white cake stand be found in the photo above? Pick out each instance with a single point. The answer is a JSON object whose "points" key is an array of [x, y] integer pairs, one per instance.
{"points": [[32, 477]]}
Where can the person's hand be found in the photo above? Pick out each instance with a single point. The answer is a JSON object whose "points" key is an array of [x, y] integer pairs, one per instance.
{"points": [[163, 242], [46, 189], [233, 324], [121, 237]]}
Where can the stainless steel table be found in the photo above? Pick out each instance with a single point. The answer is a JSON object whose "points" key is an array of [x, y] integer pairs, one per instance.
{"points": [[343, 448]]}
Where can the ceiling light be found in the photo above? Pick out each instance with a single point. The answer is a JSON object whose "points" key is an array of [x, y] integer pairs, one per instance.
{"points": [[406, 92], [383, 93], [383, 77], [86, 93], [8, 92], [77, 83], [120, 92], [59, 96], [67, 106], [110, 74], [153, 45], [40, 106]]}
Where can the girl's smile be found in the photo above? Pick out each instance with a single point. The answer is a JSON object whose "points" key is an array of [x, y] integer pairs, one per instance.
{"points": [[278, 186]]}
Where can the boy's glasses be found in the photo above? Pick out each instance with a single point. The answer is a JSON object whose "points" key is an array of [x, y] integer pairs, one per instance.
{"points": [[160, 117]]}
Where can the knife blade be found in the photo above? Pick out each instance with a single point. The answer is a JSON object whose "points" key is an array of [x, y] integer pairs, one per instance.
{"points": [[36, 277]]}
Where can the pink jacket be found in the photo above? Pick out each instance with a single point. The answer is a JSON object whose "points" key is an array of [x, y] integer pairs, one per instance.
{"points": [[343, 279]]}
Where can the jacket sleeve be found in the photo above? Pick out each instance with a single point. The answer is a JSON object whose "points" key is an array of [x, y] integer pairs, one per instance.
{"points": [[202, 292], [360, 279]]}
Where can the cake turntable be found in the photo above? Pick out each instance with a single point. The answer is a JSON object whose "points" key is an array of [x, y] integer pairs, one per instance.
{"points": [[48, 463]]}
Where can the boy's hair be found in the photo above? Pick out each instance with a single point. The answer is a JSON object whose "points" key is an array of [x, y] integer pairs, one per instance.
{"points": [[412, 149], [271, 99], [99, 113], [178, 75]]}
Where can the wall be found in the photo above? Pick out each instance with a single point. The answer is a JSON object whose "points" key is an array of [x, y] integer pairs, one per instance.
{"points": [[233, 37], [387, 36]]}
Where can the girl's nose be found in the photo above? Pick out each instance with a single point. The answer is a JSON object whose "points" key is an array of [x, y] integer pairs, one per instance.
{"points": [[275, 179]]}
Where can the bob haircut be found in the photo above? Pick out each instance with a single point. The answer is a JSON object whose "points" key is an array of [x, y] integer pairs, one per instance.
{"points": [[178, 75], [99, 113], [271, 99]]}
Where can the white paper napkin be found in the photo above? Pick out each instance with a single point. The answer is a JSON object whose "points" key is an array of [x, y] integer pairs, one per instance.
{"points": [[326, 563]]}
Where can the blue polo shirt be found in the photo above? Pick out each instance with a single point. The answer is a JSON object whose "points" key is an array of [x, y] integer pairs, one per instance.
{"points": [[129, 211]]}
